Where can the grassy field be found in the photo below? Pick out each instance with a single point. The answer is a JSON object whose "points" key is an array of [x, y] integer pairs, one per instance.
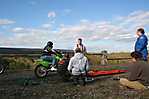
{"points": [[19, 63], [26, 62], [96, 59]]}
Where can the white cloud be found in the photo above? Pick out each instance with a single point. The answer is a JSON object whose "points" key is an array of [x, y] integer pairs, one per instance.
{"points": [[51, 14], [17, 29], [136, 19], [84, 20], [121, 31], [67, 10], [93, 31], [6, 22], [47, 25], [27, 37]]}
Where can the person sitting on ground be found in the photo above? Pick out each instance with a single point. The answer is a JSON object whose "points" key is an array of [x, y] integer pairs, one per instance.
{"points": [[78, 66], [80, 45], [138, 73], [48, 54]]}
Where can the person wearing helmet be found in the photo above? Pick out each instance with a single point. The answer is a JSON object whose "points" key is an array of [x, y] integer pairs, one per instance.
{"points": [[48, 53], [141, 43], [80, 45]]}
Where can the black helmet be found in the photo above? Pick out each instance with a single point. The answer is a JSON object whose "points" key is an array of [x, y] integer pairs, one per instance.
{"points": [[50, 43]]}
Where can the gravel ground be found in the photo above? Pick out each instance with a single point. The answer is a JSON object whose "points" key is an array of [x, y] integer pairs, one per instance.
{"points": [[24, 85]]}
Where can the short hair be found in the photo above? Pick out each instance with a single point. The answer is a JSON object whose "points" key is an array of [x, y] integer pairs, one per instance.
{"points": [[136, 55], [78, 50], [80, 39], [141, 30]]}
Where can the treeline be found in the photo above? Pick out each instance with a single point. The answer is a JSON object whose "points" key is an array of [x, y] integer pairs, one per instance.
{"points": [[19, 51]]}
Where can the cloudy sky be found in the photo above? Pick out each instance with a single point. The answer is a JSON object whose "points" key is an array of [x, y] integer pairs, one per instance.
{"points": [[103, 24]]}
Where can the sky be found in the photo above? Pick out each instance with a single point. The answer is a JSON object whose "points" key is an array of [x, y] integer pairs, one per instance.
{"points": [[102, 24]]}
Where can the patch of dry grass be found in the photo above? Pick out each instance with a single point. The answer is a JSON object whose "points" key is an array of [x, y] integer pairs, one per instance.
{"points": [[19, 63]]}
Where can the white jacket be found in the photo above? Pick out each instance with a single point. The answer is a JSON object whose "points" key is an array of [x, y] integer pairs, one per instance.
{"points": [[78, 64]]}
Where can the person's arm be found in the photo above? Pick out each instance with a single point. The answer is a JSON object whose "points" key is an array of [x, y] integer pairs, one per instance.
{"points": [[87, 65], [75, 47], [70, 65], [85, 49], [45, 49], [53, 52], [142, 42]]}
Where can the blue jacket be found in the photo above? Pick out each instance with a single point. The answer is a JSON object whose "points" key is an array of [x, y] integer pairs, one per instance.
{"points": [[141, 45]]}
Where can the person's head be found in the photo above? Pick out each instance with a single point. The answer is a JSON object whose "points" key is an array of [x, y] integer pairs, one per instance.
{"points": [[50, 44], [78, 50], [79, 41], [140, 31], [136, 56]]}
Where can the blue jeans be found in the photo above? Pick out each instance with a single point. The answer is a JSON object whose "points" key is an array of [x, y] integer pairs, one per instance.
{"points": [[49, 58], [145, 57]]}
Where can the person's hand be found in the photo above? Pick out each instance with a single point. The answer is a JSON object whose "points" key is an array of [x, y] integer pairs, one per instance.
{"points": [[130, 61]]}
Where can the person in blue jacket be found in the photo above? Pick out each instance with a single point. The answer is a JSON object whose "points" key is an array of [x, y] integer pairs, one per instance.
{"points": [[141, 43]]}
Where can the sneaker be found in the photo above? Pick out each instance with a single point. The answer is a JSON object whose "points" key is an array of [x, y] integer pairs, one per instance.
{"points": [[89, 79], [116, 78], [53, 69], [147, 87]]}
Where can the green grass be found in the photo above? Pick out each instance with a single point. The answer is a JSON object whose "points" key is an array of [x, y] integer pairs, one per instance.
{"points": [[17, 63], [96, 59], [21, 62], [110, 68]]}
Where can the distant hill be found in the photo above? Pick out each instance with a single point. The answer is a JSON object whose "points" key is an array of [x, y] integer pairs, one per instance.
{"points": [[4, 50], [19, 51]]}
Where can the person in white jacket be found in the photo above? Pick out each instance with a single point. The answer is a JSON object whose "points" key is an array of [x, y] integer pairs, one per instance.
{"points": [[78, 65]]}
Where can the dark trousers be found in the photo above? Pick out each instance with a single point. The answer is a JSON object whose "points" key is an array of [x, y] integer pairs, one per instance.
{"points": [[79, 80]]}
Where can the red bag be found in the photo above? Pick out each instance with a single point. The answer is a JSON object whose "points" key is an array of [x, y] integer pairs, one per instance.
{"points": [[109, 72]]}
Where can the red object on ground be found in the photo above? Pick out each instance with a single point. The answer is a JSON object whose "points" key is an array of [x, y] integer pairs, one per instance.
{"points": [[109, 72]]}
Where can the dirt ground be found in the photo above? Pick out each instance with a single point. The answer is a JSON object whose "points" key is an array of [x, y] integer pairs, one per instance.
{"points": [[24, 85]]}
